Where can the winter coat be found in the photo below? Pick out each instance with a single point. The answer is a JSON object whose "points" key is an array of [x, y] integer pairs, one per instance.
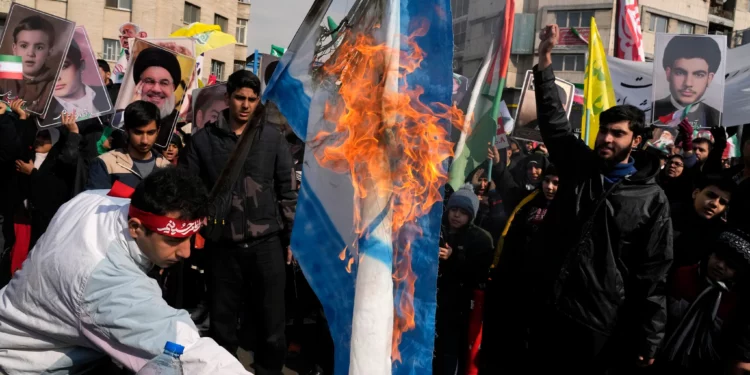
{"points": [[510, 296], [264, 197], [83, 297], [117, 165], [465, 269], [46, 188], [605, 264]]}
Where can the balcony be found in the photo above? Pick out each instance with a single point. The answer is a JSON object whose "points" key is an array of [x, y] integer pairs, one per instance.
{"points": [[719, 11]]}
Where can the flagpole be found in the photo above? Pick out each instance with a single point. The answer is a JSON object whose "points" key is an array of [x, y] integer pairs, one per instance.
{"points": [[510, 8]]}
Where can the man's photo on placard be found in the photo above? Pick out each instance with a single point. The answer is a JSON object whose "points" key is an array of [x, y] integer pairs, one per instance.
{"points": [[208, 103], [157, 75], [79, 88], [689, 71], [41, 41]]}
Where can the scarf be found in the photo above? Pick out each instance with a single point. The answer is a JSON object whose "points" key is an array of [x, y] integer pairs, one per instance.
{"points": [[620, 171]]}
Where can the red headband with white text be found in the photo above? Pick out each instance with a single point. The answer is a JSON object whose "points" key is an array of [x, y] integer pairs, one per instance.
{"points": [[166, 225]]}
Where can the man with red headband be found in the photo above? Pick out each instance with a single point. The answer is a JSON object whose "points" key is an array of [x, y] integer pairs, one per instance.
{"points": [[83, 296]]}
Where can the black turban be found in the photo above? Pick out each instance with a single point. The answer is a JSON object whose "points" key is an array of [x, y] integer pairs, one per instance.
{"points": [[153, 56]]}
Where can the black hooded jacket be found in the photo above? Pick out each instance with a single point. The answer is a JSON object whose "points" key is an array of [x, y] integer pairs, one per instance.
{"points": [[604, 265]]}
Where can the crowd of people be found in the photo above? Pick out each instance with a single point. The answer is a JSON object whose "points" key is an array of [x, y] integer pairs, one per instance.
{"points": [[622, 259]]}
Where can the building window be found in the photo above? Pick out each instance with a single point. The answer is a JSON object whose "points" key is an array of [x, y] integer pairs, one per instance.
{"points": [[569, 63], [192, 13], [120, 4], [111, 49], [241, 31], [489, 26], [239, 65], [460, 8], [245, 1], [658, 24], [579, 18], [685, 28], [459, 35], [217, 69], [223, 22]]}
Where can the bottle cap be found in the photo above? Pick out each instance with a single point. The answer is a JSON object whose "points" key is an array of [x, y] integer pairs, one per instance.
{"points": [[174, 348]]}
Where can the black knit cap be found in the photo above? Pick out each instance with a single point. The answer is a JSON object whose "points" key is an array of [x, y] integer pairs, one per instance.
{"points": [[153, 56], [735, 244]]}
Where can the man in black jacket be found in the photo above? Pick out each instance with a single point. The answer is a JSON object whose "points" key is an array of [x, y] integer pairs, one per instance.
{"points": [[250, 251], [608, 240]]}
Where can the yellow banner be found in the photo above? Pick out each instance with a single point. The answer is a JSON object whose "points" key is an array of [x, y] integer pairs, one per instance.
{"points": [[598, 93]]}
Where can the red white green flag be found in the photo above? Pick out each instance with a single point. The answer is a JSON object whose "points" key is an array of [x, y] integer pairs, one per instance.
{"points": [[11, 67]]}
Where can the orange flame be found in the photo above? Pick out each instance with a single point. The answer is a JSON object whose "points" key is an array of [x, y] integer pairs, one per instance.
{"points": [[391, 143]]}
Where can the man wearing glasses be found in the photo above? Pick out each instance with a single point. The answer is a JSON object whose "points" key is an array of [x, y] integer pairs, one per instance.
{"points": [[127, 31], [252, 222]]}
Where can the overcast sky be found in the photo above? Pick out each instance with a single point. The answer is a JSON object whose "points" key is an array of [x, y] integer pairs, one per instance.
{"points": [[276, 21]]}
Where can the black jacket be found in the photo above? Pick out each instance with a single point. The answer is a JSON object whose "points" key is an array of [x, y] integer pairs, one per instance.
{"points": [[46, 188], [607, 265], [263, 198]]}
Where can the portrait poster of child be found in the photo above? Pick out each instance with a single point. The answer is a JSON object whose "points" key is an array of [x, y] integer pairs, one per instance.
{"points": [[79, 87], [41, 40]]}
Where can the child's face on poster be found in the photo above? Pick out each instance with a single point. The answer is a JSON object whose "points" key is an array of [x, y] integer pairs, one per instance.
{"points": [[34, 48]]}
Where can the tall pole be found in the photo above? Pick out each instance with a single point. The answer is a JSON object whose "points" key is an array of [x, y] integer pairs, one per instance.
{"points": [[255, 63]]}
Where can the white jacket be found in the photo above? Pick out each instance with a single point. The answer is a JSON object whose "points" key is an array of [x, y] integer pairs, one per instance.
{"points": [[83, 295]]}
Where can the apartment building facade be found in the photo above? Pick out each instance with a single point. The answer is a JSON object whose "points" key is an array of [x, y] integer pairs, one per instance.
{"points": [[159, 18], [474, 20]]}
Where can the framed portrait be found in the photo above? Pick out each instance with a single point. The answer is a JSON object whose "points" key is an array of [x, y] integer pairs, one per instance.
{"points": [[41, 40], [526, 125], [208, 103], [158, 75], [689, 71], [79, 87]]}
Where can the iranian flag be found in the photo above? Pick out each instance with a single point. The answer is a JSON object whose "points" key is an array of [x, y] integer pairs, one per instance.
{"points": [[673, 120], [10, 67]]}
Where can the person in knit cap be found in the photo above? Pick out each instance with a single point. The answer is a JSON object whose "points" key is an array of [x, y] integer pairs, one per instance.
{"points": [[702, 300], [465, 257]]}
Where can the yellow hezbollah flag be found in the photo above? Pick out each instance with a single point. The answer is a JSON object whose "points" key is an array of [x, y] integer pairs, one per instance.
{"points": [[598, 93]]}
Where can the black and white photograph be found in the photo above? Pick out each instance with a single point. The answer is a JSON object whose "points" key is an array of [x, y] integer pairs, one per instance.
{"points": [[41, 40], [79, 87], [689, 71]]}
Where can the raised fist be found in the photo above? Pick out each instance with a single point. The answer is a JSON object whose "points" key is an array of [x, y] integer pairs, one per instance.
{"points": [[549, 37]]}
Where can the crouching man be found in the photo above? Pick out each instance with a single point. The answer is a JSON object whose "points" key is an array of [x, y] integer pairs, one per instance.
{"points": [[83, 296]]}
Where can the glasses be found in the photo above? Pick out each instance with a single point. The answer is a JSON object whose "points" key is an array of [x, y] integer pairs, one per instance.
{"points": [[164, 83], [677, 164]]}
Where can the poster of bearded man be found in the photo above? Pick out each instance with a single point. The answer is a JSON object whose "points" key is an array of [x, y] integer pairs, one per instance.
{"points": [[689, 71], [40, 40], [157, 75]]}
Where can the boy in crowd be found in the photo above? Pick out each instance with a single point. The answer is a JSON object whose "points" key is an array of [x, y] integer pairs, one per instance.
{"points": [[701, 300], [138, 160], [697, 225], [465, 257]]}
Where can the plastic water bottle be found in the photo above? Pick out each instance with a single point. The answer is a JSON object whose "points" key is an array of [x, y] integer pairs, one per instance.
{"points": [[167, 363]]}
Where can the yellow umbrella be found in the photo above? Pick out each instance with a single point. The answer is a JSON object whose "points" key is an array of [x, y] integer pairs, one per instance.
{"points": [[207, 37]]}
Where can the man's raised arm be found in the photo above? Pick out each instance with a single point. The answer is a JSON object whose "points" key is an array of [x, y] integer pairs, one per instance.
{"points": [[566, 149]]}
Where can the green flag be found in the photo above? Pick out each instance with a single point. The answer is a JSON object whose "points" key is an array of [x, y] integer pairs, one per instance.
{"points": [[277, 51], [482, 106]]}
